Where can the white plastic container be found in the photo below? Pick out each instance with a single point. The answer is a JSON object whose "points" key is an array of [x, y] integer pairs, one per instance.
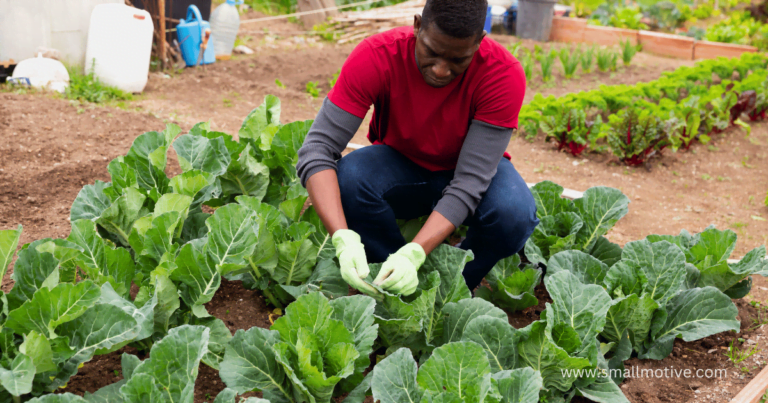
{"points": [[43, 73], [225, 21], [119, 46], [69, 27], [24, 26]]}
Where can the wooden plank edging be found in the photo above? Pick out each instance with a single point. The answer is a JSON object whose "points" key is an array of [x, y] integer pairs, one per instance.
{"points": [[754, 390], [567, 29]]}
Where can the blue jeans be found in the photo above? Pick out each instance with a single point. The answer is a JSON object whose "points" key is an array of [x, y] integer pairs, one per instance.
{"points": [[379, 185]]}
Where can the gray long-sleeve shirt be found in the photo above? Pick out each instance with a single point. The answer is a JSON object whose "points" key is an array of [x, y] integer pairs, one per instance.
{"points": [[480, 154]]}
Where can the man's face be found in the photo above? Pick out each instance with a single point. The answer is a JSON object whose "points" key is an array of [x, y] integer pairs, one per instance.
{"points": [[440, 57]]}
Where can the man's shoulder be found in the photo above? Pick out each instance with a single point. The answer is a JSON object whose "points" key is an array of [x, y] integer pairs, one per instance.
{"points": [[494, 53]]}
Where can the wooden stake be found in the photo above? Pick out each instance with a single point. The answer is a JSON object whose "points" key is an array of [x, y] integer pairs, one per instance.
{"points": [[161, 22]]}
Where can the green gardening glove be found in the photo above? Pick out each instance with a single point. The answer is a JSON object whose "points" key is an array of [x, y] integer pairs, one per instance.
{"points": [[398, 273], [354, 265]]}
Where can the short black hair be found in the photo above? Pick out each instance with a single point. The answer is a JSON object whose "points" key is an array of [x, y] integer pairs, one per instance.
{"points": [[456, 18]]}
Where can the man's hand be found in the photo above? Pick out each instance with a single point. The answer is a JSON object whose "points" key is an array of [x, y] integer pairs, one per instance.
{"points": [[354, 265], [398, 273]]}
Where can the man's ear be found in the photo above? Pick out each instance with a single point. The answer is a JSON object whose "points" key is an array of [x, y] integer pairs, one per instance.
{"points": [[480, 38], [416, 24]]}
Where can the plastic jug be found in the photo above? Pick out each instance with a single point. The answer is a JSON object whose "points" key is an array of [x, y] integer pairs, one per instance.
{"points": [[225, 21], [119, 46], [69, 27], [42, 72], [190, 32]]}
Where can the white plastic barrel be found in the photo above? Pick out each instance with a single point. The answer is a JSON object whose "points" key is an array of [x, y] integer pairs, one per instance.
{"points": [[119, 46], [24, 26], [69, 27], [225, 21]]}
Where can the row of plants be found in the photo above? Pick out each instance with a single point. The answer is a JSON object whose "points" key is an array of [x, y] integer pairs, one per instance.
{"points": [[740, 28], [443, 345], [665, 15], [237, 211], [638, 121], [571, 59]]}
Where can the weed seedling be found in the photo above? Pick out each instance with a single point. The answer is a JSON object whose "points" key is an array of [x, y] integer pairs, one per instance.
{"points": [[332, 80], [312, 89], [738, 355], [117, 373], [762, 315], [706, 177], [86, 87], [279, 83], [227, 103]]}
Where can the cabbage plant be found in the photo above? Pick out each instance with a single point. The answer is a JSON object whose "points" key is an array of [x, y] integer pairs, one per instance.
{"points": [[511, 287], [167, 376], [456, 372], [580, 224], [318, 350]]}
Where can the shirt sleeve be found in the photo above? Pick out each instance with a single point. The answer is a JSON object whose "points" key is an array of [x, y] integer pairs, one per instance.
{"points": [[327, 138], [478, 161], [501, 97], [359, 83]]}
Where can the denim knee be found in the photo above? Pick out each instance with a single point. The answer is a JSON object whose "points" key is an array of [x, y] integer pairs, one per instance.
{"points": [[512, 224]]}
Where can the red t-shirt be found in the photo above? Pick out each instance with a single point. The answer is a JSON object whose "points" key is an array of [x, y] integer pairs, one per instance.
{"points": [[426, 124]]}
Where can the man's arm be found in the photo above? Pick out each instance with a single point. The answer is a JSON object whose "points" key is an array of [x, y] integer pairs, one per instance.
{"points": [[478, 160], [327, 138]]}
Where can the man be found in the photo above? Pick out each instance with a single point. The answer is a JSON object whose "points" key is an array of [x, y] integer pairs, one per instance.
{"points": [[446, 101]]}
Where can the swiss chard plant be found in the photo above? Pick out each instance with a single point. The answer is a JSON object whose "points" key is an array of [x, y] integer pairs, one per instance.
{"points": [[318, 350], [569, 127], [580, 224], [684, 123], [635, 134]]}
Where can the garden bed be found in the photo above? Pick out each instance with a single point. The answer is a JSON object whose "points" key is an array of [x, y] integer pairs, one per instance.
{"points": [[673, 195]]}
